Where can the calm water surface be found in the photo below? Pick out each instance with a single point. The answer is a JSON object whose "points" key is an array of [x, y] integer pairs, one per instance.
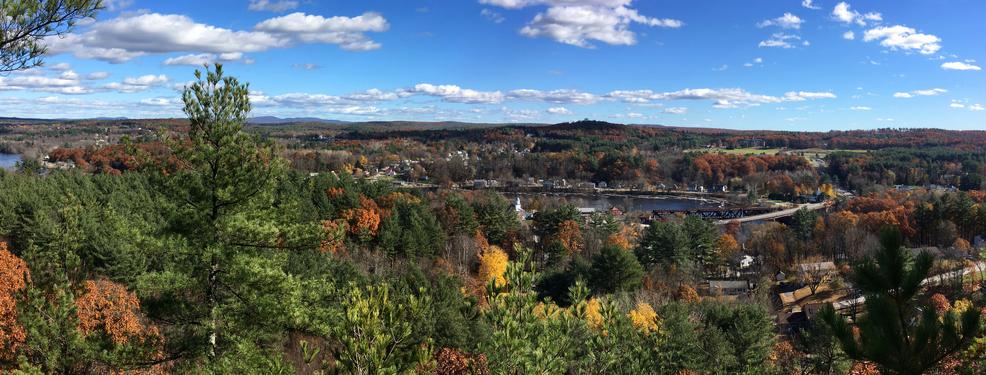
{"points": [[623, 202], [8, 161]]}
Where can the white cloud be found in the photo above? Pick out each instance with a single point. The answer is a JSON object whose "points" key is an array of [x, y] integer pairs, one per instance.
{"points": [[559, 111], [722, 98], [372, 95], [203, 58], [347, 32], [958, 65], [137, 84], [782, 40], [194, 60], [755, 62], [787, 21], [578, 22], [976, 107], [307, 66], [911, 94], [849, 35], [554, 96], [163, 102], [797, 96], [456, 94], [492, 15], [97, 75], [860, 108], [272, 6], [60, 67], [809, 4], [903, 38], [844, 14], [114, 5], [61, 84], [133, 35], [675, 110]]}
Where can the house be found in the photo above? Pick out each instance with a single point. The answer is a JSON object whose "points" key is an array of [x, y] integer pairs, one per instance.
{"points": [[519, 210], [586, 185], [745, 262], [729, 287], [586, 210]]}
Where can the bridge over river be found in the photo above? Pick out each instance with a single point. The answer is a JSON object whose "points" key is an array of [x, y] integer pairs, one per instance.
{"points": [[742, 215]]}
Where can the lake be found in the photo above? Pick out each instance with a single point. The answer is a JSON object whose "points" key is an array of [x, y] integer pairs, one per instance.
{"points": [[8, 161], [626, 203]]}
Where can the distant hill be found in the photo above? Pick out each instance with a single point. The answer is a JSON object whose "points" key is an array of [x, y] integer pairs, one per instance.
{"points": [[587, 125], [273, 120]]}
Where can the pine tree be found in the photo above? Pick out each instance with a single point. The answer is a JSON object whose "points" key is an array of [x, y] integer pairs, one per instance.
{"points": [[615, 270], [897, 333], [219, 279], [26, 24]]}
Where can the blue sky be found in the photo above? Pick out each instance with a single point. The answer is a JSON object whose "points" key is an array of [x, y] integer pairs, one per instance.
{"points": [[743, 64]]}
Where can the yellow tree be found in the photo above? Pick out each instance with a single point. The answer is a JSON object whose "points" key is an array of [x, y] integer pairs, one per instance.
{"points": [[492, 265]]}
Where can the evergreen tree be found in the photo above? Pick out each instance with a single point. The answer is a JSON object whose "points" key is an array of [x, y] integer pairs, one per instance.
{"points": [[26, 23], [804, 223], [897, 333], [663, 243], [219, 279], [615, 270]]}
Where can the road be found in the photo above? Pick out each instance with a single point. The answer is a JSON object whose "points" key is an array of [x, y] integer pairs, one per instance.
{"points": [[930, 280], [776, 214]]}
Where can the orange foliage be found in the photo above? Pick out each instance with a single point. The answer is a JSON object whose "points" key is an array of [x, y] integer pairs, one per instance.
{"points": [[570, 236], [387, 202], [14, 277], [449, 361], [727, 245], [962, 244], [688, 294], [623, 239], [363, 221], [940, 303], [334, 192], [335, 236], [107, 307], [864, 368]]}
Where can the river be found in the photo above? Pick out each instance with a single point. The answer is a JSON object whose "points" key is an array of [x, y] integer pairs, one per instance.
{"points": [[625, 203], [8, 161]]}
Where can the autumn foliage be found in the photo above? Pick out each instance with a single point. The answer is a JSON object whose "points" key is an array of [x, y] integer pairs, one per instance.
{"points": [[335, 236], [644, 317], [492, 265], [570, 236], [109, 308], [365, 220], [452, 362], [14, 277]]}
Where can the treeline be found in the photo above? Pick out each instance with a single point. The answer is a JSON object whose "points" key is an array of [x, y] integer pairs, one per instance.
{"points": [[947, 167]]}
